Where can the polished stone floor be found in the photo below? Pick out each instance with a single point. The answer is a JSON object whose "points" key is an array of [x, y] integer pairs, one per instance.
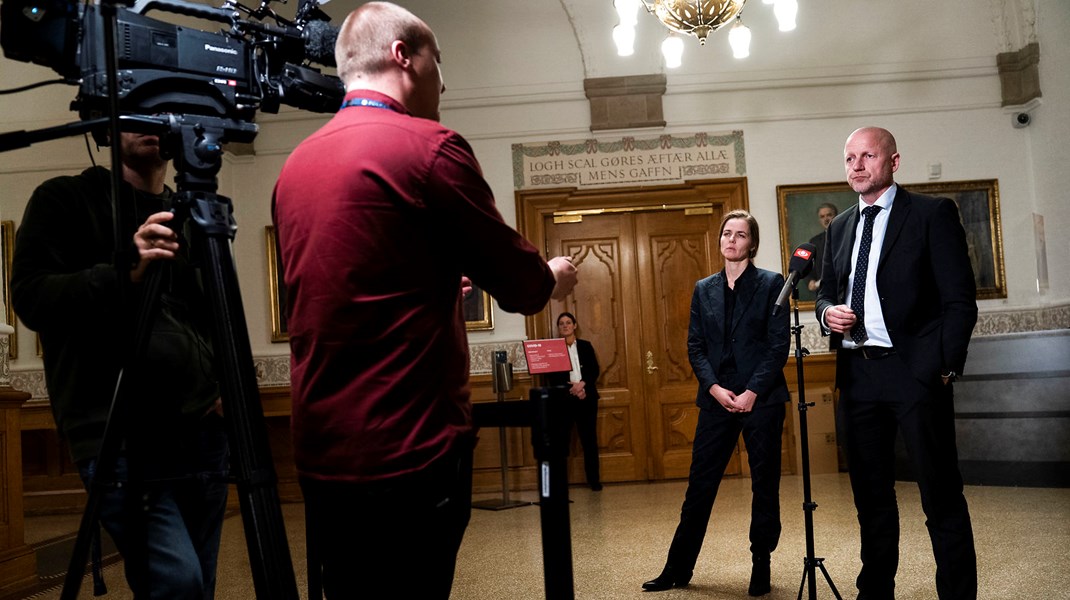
{"points": [[620, 537]]}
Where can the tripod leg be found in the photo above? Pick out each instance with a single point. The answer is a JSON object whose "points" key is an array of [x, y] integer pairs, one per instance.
{"points": [[828, 578], [802, 583], [251, 463]]}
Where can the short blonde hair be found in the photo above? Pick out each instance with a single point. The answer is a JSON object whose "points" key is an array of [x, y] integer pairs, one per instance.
{"points": [[365, 37]]}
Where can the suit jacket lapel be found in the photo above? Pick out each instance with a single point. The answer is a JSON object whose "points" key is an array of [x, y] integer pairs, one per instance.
{"points": [[846, 246], [715, 299], [901, 207]]}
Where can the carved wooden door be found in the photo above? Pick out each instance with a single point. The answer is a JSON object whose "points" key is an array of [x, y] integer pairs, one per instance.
{"points": [[639, 252]]}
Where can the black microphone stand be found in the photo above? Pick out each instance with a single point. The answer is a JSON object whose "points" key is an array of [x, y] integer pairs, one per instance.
{"points": [[810, 563]]}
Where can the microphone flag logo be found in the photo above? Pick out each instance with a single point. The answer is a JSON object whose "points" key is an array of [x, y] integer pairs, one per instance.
{"points": [[803, 253]]}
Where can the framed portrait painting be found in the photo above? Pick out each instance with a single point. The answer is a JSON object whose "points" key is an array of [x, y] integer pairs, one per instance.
{"points": [[804, 210], [978, 203], [7, 248]]}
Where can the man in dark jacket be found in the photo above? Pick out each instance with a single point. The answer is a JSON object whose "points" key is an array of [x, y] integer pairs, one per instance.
{"points": [[166, 504], [898, 297]]}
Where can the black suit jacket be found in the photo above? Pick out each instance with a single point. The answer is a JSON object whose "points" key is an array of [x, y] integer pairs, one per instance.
{"points": [[759, 341], [589, 370], [924, 279]]}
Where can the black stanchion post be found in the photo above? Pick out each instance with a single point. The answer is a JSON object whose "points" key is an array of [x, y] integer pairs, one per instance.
{"points": [[503, 382], [550, 429]]}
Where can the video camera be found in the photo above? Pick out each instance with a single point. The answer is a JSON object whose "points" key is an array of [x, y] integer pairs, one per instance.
{"points": [[167, 68]]}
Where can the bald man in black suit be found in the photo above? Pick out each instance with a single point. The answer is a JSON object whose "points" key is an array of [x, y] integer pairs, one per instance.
{"points": [[898, 297]]}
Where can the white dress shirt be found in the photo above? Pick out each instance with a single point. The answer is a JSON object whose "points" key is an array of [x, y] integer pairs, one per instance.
{"points": [[574, 357], [876, 330]]}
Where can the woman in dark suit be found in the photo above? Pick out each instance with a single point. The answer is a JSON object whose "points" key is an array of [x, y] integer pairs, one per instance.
{"points": [[584, 395], [737, 350]]}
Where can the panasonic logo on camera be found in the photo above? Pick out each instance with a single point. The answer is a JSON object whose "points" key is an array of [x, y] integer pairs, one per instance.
{"points": [[220, 49], [228, 70]]}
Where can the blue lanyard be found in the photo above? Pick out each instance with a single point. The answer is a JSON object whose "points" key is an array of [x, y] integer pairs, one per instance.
{"points": [[365, 102]]}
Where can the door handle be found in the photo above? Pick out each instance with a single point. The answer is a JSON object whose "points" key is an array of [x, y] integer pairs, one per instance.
{"points": [[650, 366]]}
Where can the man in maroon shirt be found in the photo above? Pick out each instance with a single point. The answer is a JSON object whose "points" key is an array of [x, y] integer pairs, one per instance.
{"points": [[379, 214]]}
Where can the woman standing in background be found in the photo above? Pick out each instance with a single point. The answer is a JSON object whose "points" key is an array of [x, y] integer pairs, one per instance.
{"points": [[584, 395]]}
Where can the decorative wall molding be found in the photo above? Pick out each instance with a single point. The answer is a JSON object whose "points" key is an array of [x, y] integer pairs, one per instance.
{"points": [[1019, 75], [989, 323], [629, 160], [275, 370]]}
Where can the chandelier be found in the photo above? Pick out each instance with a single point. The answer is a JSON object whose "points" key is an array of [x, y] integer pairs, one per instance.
{"points": [[695, 17], [698, 18]]}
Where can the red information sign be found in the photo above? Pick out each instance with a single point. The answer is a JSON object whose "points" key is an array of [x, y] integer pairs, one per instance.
{"points": [[547, 356]]}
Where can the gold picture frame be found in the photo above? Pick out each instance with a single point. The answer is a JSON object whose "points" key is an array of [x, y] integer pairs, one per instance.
{"points": [[276, 288], [7, 246], [797, 206], [978, 202], [478, 311]]}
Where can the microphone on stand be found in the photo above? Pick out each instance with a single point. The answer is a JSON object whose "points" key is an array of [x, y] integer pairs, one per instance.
{"points": [[802, 261]]}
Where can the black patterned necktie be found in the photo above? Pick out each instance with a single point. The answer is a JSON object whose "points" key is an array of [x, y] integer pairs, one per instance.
{"points": [[858, 290]]}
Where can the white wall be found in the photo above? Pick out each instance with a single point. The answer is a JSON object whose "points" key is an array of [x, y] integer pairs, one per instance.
{"points": [[924, 70]]}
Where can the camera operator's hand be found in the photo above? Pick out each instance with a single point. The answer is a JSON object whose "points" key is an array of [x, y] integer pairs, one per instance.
{"points": [[564, 275], [154, 241]]}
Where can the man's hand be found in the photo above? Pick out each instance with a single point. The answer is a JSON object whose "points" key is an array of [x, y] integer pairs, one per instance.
{"points": [[154, 241], [840, 319], [578, 389], [466, 286], [564, 275]]}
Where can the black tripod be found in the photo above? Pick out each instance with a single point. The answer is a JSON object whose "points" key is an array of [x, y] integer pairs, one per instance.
{"points": [[195, 142], [810, 563]]}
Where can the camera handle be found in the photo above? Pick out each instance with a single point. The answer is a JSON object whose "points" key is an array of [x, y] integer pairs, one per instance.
{"points": [[198, 149]]}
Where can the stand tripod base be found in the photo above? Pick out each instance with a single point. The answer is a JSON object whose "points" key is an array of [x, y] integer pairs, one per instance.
{"points": [[808, 568], [499, 504]]}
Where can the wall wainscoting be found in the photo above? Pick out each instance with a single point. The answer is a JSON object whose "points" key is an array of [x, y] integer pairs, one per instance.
{"points": [[275, 370]]}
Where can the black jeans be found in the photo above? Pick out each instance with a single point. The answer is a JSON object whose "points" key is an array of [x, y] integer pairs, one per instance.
{"points": [[392, 539], [715, 440]]}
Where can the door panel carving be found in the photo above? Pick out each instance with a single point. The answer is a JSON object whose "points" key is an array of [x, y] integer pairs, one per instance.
{"points": [[639, 254]]}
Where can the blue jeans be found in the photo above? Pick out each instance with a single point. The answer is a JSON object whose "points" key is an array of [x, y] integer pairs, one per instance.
{"points": [[167, 522]]}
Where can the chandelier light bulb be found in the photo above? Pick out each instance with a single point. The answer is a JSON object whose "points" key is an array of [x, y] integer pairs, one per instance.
{"points": [[785, 11], [627, 11], [624, 38], [673, 51], [739, 39]]}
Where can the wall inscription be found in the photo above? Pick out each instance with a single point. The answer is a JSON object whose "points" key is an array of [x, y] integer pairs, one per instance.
{"points": [[629, 161]]}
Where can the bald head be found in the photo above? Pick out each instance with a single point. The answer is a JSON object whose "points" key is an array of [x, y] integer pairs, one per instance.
{"points": [[870, 158], [881, 136]]}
